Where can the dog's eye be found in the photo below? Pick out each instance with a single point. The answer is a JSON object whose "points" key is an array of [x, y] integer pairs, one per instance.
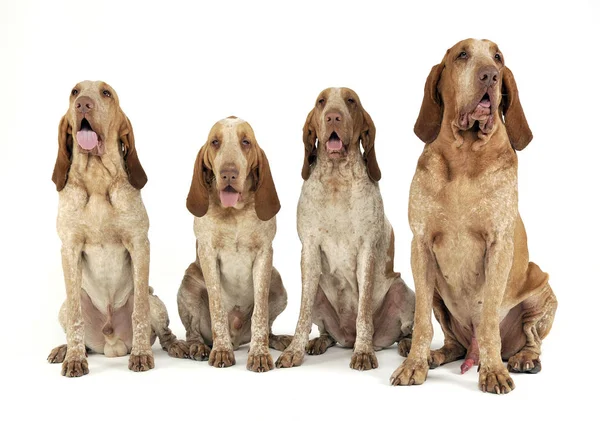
{"points": [[351, 101], [106, 93], [322, 101], [463, 54], [215, 142], [246, 142], [498, 57], [74, 92]]}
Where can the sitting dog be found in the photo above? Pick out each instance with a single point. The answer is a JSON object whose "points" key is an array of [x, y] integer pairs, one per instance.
{"points": [[232, 293], [469, 250], [103, 227], [349, 287]]}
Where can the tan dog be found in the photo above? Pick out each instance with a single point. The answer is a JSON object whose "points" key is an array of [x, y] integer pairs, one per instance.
{"points": [[349, 287], [232, 293], [469, 251], [103, 226]]}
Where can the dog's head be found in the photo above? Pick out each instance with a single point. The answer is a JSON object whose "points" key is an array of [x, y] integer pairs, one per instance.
{"points": [[340, 123], [234, 170], [95, 124], [473, 90]]}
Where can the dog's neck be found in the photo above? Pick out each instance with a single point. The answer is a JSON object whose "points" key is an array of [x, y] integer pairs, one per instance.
{"points": [[470, 152], [344, 170], [98, 174]]}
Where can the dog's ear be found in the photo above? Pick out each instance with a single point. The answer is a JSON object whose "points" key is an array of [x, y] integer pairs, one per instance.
{"points": [[367, 139], [309, 136], [266, 201], [517, 128], [197, 199], [430, 117], [65, 150], [135, 172]]}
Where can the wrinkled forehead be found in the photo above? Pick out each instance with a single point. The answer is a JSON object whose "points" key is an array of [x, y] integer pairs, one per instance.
{"points": [[231, 128], [94, 88], [474, 47], [337, 94]]}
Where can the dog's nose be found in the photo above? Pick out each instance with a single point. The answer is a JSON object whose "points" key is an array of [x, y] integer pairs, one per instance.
{"points": [[488, 75], [333, 117], [229, 173], [84, 104]]}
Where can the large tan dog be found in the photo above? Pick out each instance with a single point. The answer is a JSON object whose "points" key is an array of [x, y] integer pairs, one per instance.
{"points": [[103, 226], [469, 251], [232, 293], [349, 287]]}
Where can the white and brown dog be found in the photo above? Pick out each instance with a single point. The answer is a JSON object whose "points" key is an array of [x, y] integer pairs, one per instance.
{"points": [[103, 227], [232, 293], [349, 287]]}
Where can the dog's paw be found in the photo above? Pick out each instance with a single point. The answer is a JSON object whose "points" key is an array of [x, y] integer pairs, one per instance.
{"points": [[280, 342], [404, 346], [260, 362], [179, 349], [290, 358], [221, 357], [57, 355], [75, 367], [318, 346], [141, 361], [525, 362], [199, 351], [363, 361], [496, 381], [411, 372]]}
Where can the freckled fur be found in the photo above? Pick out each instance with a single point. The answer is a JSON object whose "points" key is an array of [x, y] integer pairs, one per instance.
{"points": [[347, 243], [469, 252], [232, 293], [103, 226]]}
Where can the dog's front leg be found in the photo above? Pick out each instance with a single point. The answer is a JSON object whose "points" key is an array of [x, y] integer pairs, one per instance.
{"points": [[141, 358], [493, 376], [310, 266], [75, 363], [364, 357], [414, 369], [221, 354], [259, 357]]}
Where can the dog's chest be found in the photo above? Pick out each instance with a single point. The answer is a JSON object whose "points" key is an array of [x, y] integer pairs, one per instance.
{"points": [[236, 241], [342, 217]]}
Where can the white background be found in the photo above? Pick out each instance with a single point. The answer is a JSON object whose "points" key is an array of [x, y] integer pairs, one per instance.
{"points": [[179, 67]]}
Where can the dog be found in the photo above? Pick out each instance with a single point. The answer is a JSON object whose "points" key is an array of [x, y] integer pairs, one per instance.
{"points": [[232, 293], [349, 287], [469, 250], [103, 227]]}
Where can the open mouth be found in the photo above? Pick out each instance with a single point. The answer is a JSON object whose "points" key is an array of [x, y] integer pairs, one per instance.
{"points": [[334, 144], [479, 115], [229, 196], [88, 139]]}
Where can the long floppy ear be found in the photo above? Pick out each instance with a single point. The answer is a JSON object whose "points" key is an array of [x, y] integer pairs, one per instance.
{"points": [[309, 137], [367, 139], [135, 172], [429, 121], [266, 202], [65, 149], [517, 128], [197, 199]]}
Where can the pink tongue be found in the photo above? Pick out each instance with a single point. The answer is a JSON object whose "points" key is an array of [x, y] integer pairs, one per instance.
{"points": [[485, 103], [87, 139], [334, 145], [229, 199]]}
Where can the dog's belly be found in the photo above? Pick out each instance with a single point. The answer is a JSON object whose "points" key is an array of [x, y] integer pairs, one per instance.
{"points": [[107, 275], [460, 274]]}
